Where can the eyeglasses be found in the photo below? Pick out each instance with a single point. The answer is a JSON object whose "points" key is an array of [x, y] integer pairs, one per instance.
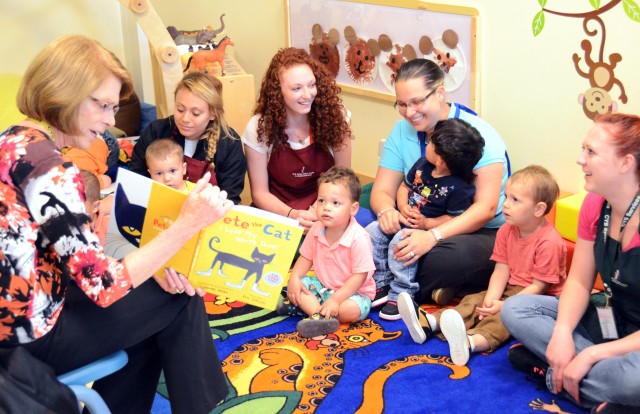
{"points": [[414, 103], [106, 107]]}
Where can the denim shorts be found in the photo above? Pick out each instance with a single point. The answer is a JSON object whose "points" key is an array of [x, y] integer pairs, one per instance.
{"points": [[313, 284]]}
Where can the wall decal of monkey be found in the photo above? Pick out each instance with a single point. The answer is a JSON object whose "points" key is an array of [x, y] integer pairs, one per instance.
{"points": [[596, 99]]}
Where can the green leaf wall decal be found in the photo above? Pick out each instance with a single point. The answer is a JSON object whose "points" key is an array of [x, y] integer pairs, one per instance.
{"points": [[632, 10], [538, 23]]}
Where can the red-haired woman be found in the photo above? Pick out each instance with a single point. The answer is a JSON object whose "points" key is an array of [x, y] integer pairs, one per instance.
{"points": [[299, 130]]}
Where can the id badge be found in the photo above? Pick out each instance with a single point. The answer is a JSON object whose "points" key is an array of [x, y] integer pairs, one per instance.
{"points": [[607, 322]]}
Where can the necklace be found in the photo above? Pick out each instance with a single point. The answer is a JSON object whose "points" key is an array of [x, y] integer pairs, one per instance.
{"points": [[45, 125]]}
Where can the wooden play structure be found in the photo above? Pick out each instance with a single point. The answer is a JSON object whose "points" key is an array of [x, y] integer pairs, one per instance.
{"points": [[238, 86]]}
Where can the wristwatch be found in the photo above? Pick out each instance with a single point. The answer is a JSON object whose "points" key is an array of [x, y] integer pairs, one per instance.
{"points": [[436, 235]]}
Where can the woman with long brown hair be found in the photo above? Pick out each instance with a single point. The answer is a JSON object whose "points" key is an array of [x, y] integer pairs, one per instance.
{"points": [[299, 130]]}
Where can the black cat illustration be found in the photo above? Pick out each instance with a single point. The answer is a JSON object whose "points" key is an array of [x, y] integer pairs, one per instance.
{"points": [[253, 267], [129, 216]]}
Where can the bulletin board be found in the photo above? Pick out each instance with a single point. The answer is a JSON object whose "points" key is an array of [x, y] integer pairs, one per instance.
{"points": [[385, 32]]}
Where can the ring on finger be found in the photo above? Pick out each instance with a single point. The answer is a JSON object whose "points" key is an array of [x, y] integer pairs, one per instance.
{"points": [[178, 291], [412, 253]]}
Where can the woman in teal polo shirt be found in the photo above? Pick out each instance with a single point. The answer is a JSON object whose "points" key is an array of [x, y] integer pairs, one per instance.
{"points": [[456, 253]]}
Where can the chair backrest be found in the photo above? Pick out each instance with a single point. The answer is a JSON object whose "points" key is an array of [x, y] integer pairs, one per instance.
{"points": [[78, 378]]}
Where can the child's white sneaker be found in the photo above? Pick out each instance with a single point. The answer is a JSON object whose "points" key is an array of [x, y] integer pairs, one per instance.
{"points": [[414, 317], [452, 327]]}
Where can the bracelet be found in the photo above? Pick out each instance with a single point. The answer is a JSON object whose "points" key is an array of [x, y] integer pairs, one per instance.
{"points": [[385, 210], [436, 234], [289, 212]]}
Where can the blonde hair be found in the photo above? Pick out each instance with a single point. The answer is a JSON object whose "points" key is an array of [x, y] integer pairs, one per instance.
{"points": [[63, 75], [209, 89], [541, 183], [163, 148]]}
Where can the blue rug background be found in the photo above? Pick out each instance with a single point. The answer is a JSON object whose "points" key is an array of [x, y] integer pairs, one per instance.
{"points": [[493, 385]]}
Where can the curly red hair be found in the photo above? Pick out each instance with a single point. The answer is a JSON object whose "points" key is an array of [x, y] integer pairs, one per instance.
{"points": [[326, 117]]}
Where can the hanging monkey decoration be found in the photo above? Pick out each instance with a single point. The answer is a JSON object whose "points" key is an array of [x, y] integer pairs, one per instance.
{"points": [[596, 100]]}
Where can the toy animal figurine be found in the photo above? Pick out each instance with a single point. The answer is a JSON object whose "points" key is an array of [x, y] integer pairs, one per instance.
{"points": [[202, 59], [195, 37]]}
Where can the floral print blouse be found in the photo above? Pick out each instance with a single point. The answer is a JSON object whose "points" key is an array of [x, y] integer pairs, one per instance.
{"points": [[45, 238]]}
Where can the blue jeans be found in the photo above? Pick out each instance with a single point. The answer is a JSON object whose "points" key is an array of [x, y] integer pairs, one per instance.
{"points": [[389, 271], [531, 319]]}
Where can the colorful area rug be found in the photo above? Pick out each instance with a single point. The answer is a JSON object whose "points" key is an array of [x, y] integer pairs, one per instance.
{"points": [[369, 367]]}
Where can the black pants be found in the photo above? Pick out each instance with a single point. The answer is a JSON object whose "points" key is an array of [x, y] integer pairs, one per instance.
{"points": [[461, 262], [159, 331]]}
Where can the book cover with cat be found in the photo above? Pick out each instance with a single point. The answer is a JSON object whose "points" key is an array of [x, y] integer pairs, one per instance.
{"points": [[245, 256]]}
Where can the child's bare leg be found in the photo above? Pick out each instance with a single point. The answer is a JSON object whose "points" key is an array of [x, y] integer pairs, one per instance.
{"points": [[309, 303], [479, 343], [349, 311]]}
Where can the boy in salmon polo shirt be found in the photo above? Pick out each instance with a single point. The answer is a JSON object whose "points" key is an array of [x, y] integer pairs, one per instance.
{"points": [[340, 251]]}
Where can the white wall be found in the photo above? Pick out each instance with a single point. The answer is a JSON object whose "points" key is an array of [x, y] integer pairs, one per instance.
{"points": [[528, 86]]}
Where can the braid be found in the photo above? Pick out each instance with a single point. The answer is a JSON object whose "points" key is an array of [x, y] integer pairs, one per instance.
{"points": [[212, 135], [209, 89]]}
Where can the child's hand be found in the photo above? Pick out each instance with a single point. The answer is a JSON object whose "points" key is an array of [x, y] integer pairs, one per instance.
{"points": [[329, 308], [419, 222], [406, 210], [306, 218], [489, 307], [295, 289]]}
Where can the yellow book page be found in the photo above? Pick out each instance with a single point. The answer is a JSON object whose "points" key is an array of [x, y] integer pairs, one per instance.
{"points": [[247, 256], [163, 209]]}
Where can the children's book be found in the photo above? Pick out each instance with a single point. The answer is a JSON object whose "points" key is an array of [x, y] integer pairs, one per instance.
{"points": [[245, 255]]}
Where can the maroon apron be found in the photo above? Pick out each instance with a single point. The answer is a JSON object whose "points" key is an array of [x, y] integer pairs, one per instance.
{"points": [[196, 169], [293, 174]]}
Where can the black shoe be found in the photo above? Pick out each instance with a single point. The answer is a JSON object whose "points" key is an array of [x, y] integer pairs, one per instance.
{"points": [[390, 312], [317, 325], [414, 317], [286, 308], [526, 361], [611, 408], [382, 295]]}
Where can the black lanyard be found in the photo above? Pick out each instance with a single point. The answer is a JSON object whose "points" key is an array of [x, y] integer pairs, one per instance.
{"points": [[422, 139], [605, 233], [627, 216]]}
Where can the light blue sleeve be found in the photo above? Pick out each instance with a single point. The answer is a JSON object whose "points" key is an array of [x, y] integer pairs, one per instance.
{"points": [[494, 146], [495, 151], [401, 149], [392, 152]]}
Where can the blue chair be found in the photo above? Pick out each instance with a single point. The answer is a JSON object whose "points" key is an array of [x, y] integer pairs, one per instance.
{"points": [[78, 379]]}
